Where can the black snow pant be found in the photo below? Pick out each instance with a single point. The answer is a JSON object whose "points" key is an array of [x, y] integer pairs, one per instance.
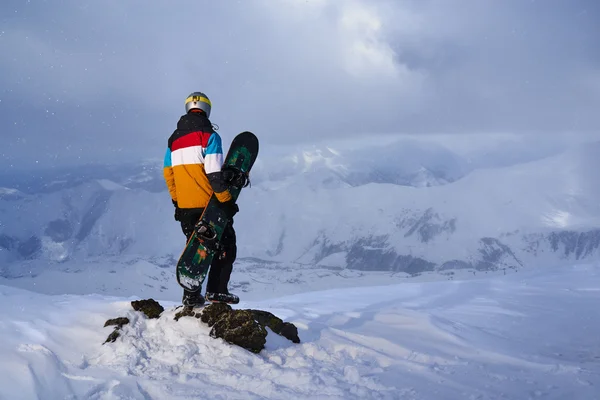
{"points": [[222, 264]]}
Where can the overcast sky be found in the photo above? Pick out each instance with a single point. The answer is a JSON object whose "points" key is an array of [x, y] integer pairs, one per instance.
{"points": [[105, 80]]}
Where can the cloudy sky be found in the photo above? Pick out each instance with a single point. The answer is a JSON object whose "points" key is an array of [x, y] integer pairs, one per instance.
{"points": [[106, 80]]}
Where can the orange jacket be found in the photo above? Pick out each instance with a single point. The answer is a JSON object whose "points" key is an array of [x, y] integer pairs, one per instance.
{"points": [[192, 166]]}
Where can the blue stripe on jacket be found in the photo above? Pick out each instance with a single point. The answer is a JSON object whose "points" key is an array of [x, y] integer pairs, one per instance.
{"points": [[168, 162], [214, 145]]}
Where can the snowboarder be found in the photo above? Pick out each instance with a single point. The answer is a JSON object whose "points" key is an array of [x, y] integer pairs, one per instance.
{"points": [[192, 170]]}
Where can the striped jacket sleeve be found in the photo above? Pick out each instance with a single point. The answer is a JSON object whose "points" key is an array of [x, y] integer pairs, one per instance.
{"points": [[168, 174], [213, 161]]}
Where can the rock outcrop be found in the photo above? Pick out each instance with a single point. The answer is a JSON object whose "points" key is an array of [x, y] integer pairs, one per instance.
{"points": [[244, 328], [151, 308], [118, 324]]}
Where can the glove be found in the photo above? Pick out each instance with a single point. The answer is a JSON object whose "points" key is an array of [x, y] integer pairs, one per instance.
{"points": [[176, 216], [230, 208]]}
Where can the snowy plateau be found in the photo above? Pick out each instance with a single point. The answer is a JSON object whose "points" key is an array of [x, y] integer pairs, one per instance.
{"points": [[412, 269]]}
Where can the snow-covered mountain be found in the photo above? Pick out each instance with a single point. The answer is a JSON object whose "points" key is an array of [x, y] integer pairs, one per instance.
{"points": [[406, 162], [407, 207]]}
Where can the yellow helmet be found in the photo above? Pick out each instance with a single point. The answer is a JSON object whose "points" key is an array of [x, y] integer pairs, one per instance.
{"points": [[199, 101]]}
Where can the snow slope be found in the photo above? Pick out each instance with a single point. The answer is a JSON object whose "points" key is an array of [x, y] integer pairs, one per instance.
{"points": [[532, 334]]}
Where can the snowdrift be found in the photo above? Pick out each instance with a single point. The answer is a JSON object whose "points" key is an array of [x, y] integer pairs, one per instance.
{"points": [[531, 334]]}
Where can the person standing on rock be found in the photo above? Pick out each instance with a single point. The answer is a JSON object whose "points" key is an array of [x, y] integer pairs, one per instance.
{"points": [[192, 171]]}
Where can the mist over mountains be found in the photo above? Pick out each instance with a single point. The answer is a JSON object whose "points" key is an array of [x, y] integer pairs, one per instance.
{"points": [[406, 206]]}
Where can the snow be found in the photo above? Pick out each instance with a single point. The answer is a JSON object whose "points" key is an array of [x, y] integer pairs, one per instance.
{"points": [[8, 191], [10, 194], [110, 185], [530, 334]]}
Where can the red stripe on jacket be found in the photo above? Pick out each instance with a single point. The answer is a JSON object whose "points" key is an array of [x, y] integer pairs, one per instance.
{"points": [[191, 139]]}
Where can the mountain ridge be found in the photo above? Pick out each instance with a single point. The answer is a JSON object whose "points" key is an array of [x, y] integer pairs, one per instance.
{"points": [[493, 218]]}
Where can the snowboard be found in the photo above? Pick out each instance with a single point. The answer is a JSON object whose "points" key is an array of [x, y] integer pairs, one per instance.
{"points": [[201, 248]]}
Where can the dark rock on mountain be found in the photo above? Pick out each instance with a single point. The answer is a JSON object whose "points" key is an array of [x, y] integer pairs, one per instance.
{"points": [[212, 313], [285, 329], [240, 328], [118, 322], [151, 308], [577, 244]]}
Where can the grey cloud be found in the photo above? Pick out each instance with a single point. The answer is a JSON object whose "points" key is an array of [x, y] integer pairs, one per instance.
{"points": [[85, 80]]}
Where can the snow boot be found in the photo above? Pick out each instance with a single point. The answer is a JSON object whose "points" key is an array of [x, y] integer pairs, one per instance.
{"points": [[228, 298], [192, 299]]}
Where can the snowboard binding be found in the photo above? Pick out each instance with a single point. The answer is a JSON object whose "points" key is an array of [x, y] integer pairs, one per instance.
{"points": [[205, 231], [207, 236], [236, 178]]}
